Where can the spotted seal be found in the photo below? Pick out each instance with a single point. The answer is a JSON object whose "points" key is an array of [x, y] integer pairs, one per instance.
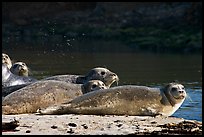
{"points": [[46, 93], [19, 68], [125, 100], [6, 60], [10, 79], [98, 73]]}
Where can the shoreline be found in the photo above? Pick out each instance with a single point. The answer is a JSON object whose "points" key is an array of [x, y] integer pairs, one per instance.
{"points": [[71, 124]]}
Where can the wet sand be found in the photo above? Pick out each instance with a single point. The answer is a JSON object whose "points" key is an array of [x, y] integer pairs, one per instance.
{"points": [[71, 124]]}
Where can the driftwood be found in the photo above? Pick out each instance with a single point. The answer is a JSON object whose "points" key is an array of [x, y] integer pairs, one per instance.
{"points": [[7, 126]]}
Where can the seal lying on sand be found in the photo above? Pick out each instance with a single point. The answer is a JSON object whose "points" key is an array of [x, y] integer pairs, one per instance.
{"points": [[125, 100], [6, 60], [45, 93], [19, 68], [10, 79], [98, 73]]}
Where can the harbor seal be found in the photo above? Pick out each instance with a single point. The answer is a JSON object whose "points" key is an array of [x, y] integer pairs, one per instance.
{"points": [[106, 76], [19, 68], [6, 60], [10, 79], [45, 93], [124, 100]]}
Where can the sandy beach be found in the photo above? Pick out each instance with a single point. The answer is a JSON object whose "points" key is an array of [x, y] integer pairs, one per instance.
{"points": [[71, 124]]}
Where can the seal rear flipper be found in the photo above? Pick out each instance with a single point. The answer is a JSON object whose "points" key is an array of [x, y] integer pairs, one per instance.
{"points": [[54, 110]]}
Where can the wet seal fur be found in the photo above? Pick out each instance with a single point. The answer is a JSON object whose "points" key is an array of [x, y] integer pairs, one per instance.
{"points": [[6, 60], [124, 100], [42, 94]]}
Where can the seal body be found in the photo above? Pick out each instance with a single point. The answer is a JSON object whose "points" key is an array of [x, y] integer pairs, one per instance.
{"points": [[10, 79], [43, 94], [10, 89], [19, 68], [124, 100], [6, 60], [106, 76]]}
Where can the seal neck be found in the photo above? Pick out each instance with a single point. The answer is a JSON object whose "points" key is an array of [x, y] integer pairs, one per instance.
{"points": [[169, 97], [81, 80], [5, 72], [83, 89]]}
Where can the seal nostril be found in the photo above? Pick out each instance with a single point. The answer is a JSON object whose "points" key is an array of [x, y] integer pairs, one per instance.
{"points": [[181, 91]]}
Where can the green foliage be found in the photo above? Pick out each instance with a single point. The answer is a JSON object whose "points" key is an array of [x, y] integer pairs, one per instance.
{"points": [[158, 39], [150, 38]]}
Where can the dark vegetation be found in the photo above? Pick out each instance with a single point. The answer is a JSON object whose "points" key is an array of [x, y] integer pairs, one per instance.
{"points": [[147, 26]]}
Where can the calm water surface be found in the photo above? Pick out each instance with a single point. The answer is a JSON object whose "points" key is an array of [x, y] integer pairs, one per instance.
{"points": [[154, 70]]}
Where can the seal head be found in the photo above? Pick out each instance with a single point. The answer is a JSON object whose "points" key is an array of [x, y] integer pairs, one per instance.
{"points": [[99, 73], [93, 85], [174, 95], [6, 59], [19, 68]]}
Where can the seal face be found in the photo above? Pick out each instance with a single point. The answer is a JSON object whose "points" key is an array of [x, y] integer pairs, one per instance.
{"points": [[93, 85], [124, 100], [6, 60], [10, 79], [106, 76], [42, 94], [19, 68], [175, 94]]}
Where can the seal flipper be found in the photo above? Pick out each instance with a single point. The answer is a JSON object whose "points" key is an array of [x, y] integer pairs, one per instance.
{"points": [[53, 110]]}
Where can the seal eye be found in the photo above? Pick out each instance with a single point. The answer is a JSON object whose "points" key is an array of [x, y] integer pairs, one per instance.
{"points": [[174, 89], [102, 73], [94, 86]]}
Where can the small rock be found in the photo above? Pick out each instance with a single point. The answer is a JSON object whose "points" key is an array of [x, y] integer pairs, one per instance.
{"points": [[153, 122], [85, 126], [119, 125], [72, 124], [53, 127], [28, 131], [70, 131], [117, 121]]}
